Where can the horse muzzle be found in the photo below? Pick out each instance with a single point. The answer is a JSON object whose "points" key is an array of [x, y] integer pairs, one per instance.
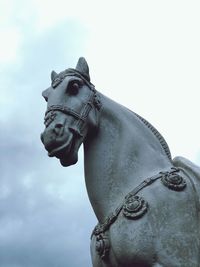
{"points": [[57, 139]]}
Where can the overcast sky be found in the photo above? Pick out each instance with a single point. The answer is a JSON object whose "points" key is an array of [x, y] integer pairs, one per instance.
{"points": [[143, 54]]}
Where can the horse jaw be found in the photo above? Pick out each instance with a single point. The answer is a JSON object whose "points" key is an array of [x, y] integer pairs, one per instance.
{"points": [[71, 157], [68, 161]]}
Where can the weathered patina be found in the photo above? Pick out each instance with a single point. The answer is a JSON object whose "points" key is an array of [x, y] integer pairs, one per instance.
{"points": [[146, 203]]}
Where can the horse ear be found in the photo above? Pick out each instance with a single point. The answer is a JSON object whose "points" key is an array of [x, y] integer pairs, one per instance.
{"points": [[82, 67], [53, 75]]}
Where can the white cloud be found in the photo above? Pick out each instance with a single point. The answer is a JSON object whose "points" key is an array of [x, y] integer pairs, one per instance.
{"points": [[146, 56], [9, 45]]}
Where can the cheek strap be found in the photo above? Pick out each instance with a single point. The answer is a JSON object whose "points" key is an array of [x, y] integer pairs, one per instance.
{"points": [[93, 101]]}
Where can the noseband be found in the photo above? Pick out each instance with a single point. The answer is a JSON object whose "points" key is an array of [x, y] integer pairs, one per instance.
{"points": [[93, 101]]}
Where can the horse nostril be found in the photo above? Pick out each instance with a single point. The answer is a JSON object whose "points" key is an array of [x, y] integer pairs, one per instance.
{"points": [[59, 125], [58, 128]]}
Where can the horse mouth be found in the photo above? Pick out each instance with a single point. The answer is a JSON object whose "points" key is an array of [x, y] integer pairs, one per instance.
{"points": [[64, 147], [59, 151], [66, 153]]}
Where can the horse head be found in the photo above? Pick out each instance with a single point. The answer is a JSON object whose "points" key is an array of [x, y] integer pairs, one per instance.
{"points": [[72, 112]]}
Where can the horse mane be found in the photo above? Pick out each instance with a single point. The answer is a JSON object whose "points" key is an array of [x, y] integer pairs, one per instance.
{"points": [[157, 135]]}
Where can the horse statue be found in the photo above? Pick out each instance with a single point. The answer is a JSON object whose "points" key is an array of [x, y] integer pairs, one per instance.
{"points": [[147, 204]]}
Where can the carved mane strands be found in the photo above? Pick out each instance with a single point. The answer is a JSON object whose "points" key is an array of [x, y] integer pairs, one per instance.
{"points": [[158, 135]]}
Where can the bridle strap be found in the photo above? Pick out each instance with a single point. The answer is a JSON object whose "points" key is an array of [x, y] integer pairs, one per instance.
{"points": [[67, 111], [93, 101]]}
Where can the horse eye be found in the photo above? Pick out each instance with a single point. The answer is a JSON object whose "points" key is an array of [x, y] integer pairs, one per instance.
{"points": [[74, 88]]}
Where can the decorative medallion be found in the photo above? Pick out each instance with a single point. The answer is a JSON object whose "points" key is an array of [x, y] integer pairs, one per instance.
{"points": [[135, 207], [174, 182], [102, 245]]}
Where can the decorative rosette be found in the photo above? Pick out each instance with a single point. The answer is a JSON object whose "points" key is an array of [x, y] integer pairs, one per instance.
{"points": [[134, 207], [102, 245], [174, 182]]}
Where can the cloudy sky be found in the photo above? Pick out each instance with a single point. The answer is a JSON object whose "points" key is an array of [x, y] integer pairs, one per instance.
{"points": [[143, 54]]}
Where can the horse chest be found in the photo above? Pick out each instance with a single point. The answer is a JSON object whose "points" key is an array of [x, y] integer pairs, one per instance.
{"points": [[164, 236]]}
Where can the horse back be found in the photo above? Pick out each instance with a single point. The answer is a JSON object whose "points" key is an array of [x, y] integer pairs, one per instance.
{"points": [[190, 169]]}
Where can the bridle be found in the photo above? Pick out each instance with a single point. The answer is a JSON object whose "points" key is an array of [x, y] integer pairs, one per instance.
{"points": [[93, 101]]}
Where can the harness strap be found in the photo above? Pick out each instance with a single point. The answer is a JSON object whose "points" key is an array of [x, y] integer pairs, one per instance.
{"points": [[93, 101], [100, 228], [65, 110]]}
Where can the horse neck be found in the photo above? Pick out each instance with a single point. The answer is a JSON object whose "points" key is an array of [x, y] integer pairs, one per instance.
{"points": [[122, 153]]}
